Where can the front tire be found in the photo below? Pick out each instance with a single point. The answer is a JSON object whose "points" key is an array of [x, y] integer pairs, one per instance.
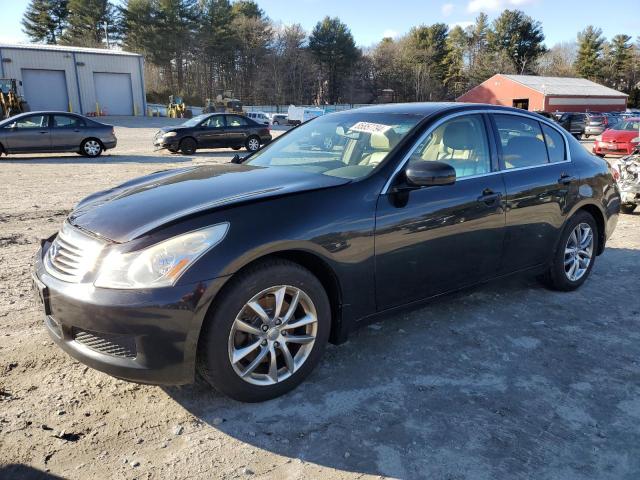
{"points": [[266, 333], [188, 146], [576, 253], [91, 148]]}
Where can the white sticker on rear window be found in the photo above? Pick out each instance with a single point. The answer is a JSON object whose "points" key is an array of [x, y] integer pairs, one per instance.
{"points": [[367, 127]]}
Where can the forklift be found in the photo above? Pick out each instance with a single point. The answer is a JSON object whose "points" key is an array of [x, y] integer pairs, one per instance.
{"points": [[11, 102], [177, 108]]}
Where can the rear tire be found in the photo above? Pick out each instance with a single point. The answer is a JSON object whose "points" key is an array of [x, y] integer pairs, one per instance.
{"points": [[221, 339], [91, 148], [235, 148], [252, 144], [628, 208], [188, 146], [558, 275]]}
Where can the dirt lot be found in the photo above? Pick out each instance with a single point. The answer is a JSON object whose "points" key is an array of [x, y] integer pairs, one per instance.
{"points": [[505, 381]]}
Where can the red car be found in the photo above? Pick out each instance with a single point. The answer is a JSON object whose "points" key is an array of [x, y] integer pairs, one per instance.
{"points": [[619, 140]]}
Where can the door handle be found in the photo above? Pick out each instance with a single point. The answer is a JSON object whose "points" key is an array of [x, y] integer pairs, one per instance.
{"points": [[566, 179], [489, 196]]}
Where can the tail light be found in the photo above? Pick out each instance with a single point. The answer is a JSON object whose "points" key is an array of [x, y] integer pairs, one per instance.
{"points": [[615, 172]]}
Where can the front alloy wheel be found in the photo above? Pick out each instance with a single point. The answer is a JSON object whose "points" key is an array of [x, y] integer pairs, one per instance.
{"points": [[266, 331], [273, 335]]}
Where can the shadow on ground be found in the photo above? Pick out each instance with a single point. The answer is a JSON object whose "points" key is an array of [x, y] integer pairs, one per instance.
{"points": [[23, 472], [506, 380]]}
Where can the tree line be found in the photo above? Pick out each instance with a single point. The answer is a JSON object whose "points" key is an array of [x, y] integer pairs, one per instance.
{"points": [[196, 48]]}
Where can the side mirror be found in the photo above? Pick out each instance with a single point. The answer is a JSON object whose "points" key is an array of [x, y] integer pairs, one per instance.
{"points": [[237, 159], [430, 173]]}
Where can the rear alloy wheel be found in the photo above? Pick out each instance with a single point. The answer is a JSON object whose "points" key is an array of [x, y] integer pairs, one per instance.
{"points": [[253, 144], [576, 253], [91, 148], [266, 333], [188, 146]]}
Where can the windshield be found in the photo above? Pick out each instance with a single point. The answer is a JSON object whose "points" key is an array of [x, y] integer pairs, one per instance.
{"points": [[628, 125], [192, 122], [346, 145]]}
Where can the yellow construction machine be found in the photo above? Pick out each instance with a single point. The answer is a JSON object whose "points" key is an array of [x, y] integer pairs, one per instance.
{"points": [[177, 108], [11, 102]]}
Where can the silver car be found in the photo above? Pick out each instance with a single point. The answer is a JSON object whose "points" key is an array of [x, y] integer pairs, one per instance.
{"points": [[49, 132]]}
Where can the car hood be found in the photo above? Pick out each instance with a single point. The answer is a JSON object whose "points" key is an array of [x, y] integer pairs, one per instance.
{"points": [[173, 128], [619, 135], [140, 206]]}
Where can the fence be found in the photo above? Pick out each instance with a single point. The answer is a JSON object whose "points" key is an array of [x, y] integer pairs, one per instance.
{"points": [[157, 110]]}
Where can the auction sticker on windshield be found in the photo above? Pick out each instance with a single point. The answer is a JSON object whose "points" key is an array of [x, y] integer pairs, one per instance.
{"points": [[368, 127]]}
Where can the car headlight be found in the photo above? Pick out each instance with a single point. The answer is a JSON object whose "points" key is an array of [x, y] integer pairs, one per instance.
{"points": [[635, 140], [159, 265], [170, 134]]}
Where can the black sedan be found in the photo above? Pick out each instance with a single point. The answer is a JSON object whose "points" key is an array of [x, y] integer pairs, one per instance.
{"points": [[244, 272], [50, 132], [215, 130]]}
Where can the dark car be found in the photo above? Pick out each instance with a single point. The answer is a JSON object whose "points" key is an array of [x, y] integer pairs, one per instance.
{"points": [[214, 130], [574, 122], [50, 132], [244, 272]]}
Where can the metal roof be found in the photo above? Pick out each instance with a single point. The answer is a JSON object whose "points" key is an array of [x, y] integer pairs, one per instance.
{"points": [[64, 48], [565, 86]]}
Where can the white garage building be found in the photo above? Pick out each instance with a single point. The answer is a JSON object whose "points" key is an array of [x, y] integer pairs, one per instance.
{"points": [[81, 80]]}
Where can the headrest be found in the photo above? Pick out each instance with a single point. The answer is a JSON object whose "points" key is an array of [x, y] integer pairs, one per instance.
{"points": [[458, 136], [383, 140]]}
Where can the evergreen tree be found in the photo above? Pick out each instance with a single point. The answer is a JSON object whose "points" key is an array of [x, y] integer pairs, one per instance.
{"points": [[618, 60], [590, 46], [333, 46], [45, 20], [91, 23], [517, 38], [455, 77]]}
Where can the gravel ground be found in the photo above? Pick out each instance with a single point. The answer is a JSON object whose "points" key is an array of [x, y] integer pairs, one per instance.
{"points": [[507, 380]]}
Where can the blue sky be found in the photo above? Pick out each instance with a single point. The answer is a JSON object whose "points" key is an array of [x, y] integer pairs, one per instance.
{"points": [[370, 20]]}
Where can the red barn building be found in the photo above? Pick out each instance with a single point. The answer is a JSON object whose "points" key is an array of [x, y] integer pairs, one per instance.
{"points": [[549, 94]]}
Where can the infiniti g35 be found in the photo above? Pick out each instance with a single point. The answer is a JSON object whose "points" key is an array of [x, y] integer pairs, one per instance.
{"points": [[243, 272]]}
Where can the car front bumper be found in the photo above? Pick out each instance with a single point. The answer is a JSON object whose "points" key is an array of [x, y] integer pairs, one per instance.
{"points": [[613, 148], [145, 336]]}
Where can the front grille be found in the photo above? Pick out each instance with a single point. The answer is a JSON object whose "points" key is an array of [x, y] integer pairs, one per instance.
{"points": [[72, 254], [115, 345]]}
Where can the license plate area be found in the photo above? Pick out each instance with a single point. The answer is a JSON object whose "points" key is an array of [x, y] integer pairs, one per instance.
{"points": [[41, 293]]}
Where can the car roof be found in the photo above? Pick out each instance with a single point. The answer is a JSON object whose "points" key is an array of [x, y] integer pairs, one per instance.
{"points": [[427, 109]]}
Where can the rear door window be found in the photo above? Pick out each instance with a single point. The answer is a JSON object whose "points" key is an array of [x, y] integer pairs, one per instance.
{"points": [[521, 140], [66, 121], [236, 121]]}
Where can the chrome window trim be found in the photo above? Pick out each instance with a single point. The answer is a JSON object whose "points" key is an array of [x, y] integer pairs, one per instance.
{"points": [[489, 111]]}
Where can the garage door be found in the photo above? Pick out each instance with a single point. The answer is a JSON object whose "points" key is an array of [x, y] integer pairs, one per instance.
{"points": [[45, 89], [113, 93]]}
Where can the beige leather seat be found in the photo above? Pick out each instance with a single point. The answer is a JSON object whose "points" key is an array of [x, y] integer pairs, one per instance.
{"points": [[382, 143]]}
